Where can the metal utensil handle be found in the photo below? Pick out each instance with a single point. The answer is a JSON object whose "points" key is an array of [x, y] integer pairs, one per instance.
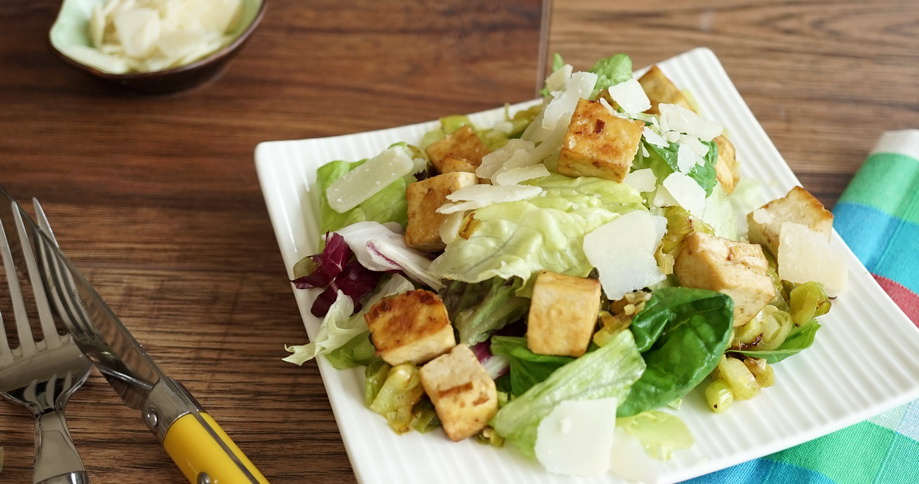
{"points": [[56, 458]]}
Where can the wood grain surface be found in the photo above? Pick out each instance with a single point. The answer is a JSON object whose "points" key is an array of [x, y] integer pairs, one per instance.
{"points": [[156, 199]]}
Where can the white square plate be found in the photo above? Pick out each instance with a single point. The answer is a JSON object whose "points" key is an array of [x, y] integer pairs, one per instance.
{"points": [[863, 361]]}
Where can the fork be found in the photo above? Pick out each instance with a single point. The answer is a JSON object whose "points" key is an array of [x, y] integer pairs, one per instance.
{"points": [[41, 375]]}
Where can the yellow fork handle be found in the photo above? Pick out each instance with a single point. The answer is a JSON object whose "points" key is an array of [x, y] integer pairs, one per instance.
{"points": [[197, 449]]}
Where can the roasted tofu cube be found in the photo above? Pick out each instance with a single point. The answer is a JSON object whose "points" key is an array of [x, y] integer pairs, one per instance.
{"points": [[737, 269], [463, 393], [726, 169], [599, 143], [410, 327], [424, 198], [798, 206], [661, 90], [563, 314], [461, 150]]}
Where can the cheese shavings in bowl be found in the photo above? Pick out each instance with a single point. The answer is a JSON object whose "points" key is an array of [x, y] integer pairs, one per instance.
{"points": [[152, 35], [126, 40]]}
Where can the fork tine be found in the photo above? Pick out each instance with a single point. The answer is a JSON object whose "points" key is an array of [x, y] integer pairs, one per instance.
{"points": [[49, 331], [6, 354], [60, 279], [26, 343], [43, 220]]}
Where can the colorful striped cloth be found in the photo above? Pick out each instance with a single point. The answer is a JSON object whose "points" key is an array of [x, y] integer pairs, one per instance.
{"points": [[878, 217]]}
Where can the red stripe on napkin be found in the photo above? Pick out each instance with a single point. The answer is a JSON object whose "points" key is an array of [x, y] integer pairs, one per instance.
{"points": [[906, 299]]}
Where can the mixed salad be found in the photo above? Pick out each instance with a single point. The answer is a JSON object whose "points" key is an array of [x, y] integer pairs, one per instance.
{"points": [[570, 272]]}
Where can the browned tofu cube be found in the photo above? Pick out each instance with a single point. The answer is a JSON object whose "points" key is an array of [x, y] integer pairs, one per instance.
{"points": [[661, 90], [798, 206], [726, 169], [599, 143], [563, 314], [737, 269], [410, 327], [424, 198], [463, 394], [461, 150]]}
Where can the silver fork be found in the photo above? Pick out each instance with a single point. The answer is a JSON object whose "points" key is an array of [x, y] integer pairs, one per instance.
{"points": [[41, 375]]}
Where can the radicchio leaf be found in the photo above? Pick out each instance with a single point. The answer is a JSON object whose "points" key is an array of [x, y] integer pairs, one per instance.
{"points": [[328, 264]]}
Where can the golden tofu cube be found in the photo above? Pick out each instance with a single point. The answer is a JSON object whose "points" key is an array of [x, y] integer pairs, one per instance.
{"points": [[424, 198], [599, 143], [453, 165], [798, 206], [661, 90], [463, 394], [734, 268], [410, 327], [563, 314], [449, 153], [726, 169]]}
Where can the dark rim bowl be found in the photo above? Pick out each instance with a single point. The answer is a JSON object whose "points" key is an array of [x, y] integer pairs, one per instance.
{"points": [[169, 80]]}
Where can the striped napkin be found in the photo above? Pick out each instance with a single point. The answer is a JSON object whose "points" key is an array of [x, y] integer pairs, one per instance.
{"points": [[878, 217]]}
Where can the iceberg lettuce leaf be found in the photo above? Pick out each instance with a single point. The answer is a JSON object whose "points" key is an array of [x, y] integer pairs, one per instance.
{"points": [[516, 239], [479, 309]]}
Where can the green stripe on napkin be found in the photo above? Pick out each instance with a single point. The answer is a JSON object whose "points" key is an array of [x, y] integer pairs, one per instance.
{"points": [[887, 182]]}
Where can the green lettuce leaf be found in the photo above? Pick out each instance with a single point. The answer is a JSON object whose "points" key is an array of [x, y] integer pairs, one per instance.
{"points": [[611, 71], [682, 334], [481, 308], [516, 239], [526, 368], [658, 432], [606, 372], [387, 205], [359, 351]]}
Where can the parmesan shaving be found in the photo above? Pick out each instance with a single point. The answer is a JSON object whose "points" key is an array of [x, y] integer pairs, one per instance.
{"points": [[560, 109], [653, 137], [494, 161], [806, 255], [687, 193], [366, 180], [626, 264], [514, 176], [642, 180], [630, 96], [687, 158], [152, 35], [681, 120], [478, 196], [449, 228], [558, 79], [561, 435]]}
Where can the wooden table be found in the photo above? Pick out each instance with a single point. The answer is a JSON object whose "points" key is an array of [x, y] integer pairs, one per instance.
{"points": [[157, 201]]}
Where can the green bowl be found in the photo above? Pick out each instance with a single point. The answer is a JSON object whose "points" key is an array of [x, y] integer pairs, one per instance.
{"points": [[72, 28]]}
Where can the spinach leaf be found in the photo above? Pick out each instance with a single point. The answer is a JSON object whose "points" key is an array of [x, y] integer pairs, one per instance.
{"points": [[684, 332], [799, 339], [526, 368], [663, 160]]}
